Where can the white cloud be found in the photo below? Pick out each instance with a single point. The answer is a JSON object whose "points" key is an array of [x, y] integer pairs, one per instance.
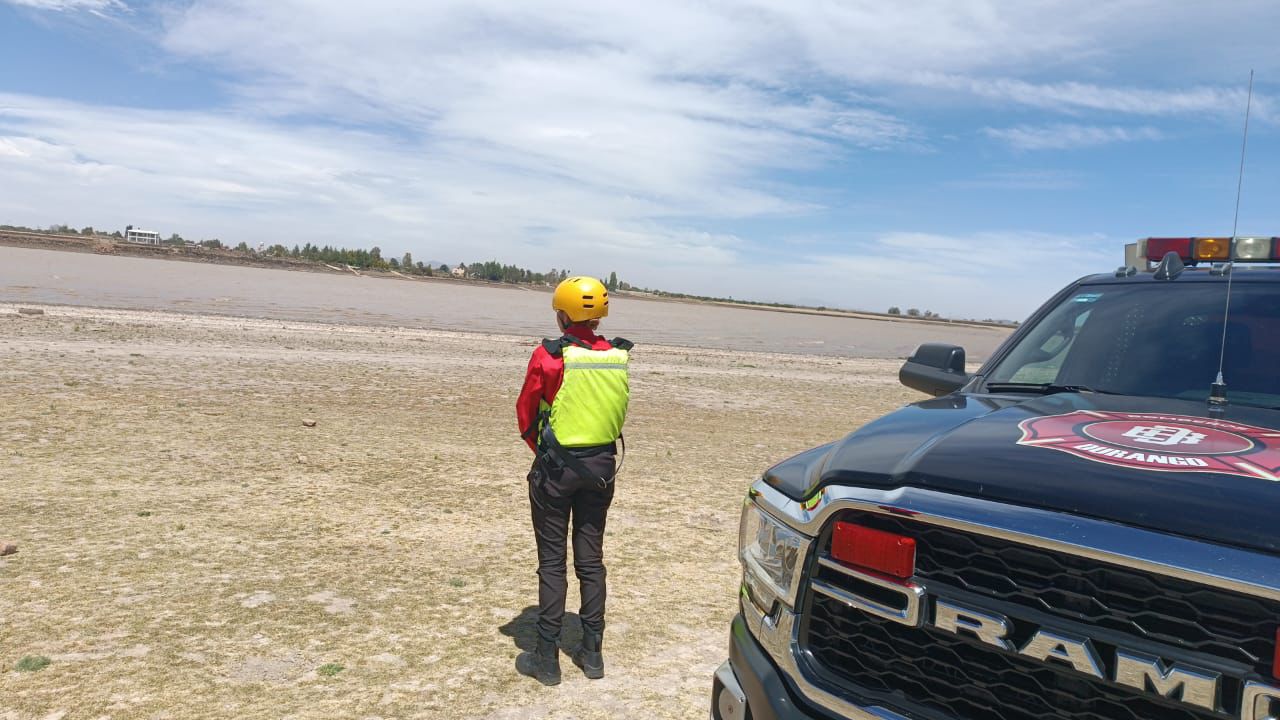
{"points": [[425, 61], [1068, 136], [94, 6], [247, 180], [644, 100], [1001, 275], [1078, 97], [13, 147]]}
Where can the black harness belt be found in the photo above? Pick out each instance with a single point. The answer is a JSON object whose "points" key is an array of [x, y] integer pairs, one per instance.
{"points": [[558, 456]]}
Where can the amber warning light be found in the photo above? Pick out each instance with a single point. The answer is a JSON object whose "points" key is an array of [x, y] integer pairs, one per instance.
{"points": [[883, 552]]}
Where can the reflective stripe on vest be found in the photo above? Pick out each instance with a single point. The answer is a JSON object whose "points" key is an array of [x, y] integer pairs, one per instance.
{"points": [[591, 404]]}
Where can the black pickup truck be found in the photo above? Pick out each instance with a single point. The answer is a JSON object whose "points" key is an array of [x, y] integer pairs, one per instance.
{"points": [[1083, 529]]}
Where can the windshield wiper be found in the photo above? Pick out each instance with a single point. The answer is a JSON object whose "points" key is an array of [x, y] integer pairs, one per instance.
{"points": [[1241, 403], [1044, 388]]}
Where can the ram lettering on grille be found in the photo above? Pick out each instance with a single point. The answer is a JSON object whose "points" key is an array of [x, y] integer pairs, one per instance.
{"points": [[1143, 673]]}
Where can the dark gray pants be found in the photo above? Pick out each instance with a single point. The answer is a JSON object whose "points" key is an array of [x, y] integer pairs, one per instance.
{"points": [[556, 497]]}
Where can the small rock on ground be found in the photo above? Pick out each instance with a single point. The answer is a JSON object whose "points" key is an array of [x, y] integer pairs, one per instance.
{"points": [[309, 423], [30, 311], [7, 548]]}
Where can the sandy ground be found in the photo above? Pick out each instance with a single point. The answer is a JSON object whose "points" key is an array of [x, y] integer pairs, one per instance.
{"points": [[189, 549]]}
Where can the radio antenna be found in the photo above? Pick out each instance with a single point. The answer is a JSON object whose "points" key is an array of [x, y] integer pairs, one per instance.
{"points": [[1218, 390]]}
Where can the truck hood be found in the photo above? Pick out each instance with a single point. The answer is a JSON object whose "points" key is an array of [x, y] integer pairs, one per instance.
{"points": [[1151, 462]]}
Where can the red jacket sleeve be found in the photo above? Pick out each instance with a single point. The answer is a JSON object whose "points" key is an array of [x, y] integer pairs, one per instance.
{"points": [[531, 395]]}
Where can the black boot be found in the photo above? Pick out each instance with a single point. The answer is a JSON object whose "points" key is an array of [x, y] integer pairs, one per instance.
{"points": [[588, 657], [542, 664]]}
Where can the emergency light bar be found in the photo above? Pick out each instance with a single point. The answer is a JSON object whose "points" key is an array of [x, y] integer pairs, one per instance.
{"points": [[1194, 250]]}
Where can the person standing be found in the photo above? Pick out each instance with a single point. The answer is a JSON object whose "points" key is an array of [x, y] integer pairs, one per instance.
{"points": [[570, 412]]}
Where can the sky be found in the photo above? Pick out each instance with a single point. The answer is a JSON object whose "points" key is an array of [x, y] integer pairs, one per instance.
{"points": [[967, 157]]}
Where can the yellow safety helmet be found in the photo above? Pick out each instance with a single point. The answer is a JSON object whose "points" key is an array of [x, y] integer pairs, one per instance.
{"points": [[582, 299]]}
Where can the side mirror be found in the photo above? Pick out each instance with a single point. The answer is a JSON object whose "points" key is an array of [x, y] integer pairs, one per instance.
{"points": [[935, 369]]}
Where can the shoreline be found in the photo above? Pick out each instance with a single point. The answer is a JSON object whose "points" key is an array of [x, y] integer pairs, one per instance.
{"points": [[9, 310]]}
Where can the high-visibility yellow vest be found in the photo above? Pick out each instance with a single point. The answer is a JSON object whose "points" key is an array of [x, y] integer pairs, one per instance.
{"points": [[591, 405]]}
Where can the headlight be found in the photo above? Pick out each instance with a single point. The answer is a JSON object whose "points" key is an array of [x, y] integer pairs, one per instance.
{"points": [[772, 557]]}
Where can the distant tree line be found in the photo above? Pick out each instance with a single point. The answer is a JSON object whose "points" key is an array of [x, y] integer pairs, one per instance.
{"points": [[62, 230], [372, 259], [914, 312]]}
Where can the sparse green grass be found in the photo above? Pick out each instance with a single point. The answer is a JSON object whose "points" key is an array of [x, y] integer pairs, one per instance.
{"points": [[144, 513], [32, 663], [329, 669]]}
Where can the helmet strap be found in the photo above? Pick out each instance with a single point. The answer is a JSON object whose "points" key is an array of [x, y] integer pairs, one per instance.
{"points": [[563, 321]]}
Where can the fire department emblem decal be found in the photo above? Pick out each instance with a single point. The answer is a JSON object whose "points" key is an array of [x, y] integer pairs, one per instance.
{"points": [[1166, 443]]}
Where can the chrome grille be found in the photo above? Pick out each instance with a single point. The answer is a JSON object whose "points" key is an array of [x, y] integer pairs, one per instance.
{"points": [[927, 672]]}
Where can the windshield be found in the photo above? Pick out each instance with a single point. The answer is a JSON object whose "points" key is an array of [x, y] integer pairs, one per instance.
{"points": [[1158, 340]]}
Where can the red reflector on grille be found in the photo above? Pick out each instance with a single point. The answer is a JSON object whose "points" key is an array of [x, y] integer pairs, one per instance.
{"points": [[1275, 666], [887, 553]]}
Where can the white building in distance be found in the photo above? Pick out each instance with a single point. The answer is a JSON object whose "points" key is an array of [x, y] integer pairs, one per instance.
{"points": [[146, 237]]}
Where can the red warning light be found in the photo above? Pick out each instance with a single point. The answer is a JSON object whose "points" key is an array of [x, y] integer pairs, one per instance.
{"points": [[1157, 248]]}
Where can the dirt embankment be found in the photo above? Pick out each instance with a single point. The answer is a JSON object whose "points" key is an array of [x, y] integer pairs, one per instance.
{"points": [[103, 245], [108, 246], [191, 549]]}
